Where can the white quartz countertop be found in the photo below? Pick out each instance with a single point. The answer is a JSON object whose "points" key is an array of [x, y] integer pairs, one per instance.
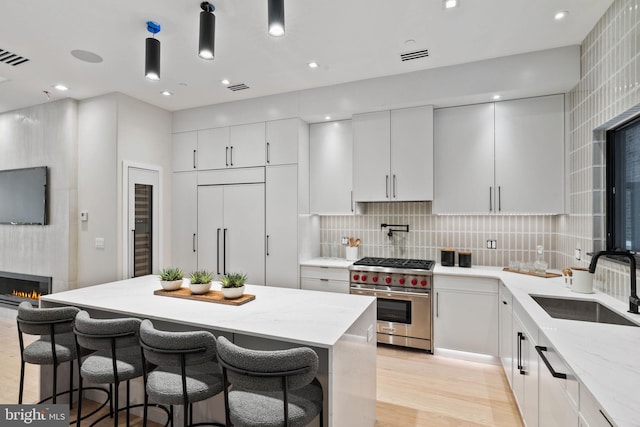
{"points": [[327, 262], [605, 358], [292, 315]]}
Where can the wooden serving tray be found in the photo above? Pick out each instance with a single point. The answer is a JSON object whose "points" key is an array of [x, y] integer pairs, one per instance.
{"points": [[211, 296], [546, 275]]}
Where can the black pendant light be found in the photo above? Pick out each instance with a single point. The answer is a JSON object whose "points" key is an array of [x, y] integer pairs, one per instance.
{"points": [[207, 31], [276, 18], [152, 53]]}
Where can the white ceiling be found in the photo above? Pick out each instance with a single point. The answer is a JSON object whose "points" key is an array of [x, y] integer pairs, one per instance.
{"points": [[350, 39]]}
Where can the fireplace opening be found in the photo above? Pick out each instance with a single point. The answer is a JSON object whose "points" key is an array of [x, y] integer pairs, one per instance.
{"points": [[16, 288]]}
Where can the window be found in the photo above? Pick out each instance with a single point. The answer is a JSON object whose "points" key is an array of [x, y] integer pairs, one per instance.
{"points": [[623, 187]]}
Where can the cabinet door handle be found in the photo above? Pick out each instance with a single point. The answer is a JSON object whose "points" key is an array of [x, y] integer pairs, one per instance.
{"points": [[394, 186], [437, 304], [504, 302], [351, 203], [490, 200], [226, 156], [605, 417], [231, 156], [522, 370], [267, 245], [387, 186], [224, 251], [518, 350], [218, 251], [541, 349], [194, 159], [324, 280], [268, 153], [193, 242], [499, 198]]}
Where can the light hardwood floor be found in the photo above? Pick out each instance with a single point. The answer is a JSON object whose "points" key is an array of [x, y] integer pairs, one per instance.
{"points": [[414, 388]]}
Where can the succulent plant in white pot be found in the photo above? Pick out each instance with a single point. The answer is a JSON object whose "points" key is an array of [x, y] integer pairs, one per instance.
{"points": [[171, 278], [200, 282], [232, 285]]}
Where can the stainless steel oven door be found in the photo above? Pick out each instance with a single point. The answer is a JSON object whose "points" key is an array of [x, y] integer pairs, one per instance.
{"points": [[401, 313]]}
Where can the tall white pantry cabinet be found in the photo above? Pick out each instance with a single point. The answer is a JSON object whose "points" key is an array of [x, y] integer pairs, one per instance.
{"points": [[238, 209]]}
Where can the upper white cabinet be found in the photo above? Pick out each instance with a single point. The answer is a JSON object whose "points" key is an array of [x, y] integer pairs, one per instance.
{"points": [[246, 145], [463, 165], [331, 166], [393, 155], [282, 142], [213, 148], [530, 155], [505, 157], [185, 154]]}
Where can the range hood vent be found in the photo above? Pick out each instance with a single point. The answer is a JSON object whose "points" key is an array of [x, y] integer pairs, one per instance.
{"points": [[239, 86], [11, 58], [416, 54]]}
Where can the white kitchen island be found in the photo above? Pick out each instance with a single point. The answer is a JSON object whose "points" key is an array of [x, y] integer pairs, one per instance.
{"points": [[340, 328]]}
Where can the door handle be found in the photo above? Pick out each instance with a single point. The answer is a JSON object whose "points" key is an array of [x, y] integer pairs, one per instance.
{"points": [[541, 349], [267, 245], [394, 186], [490, 200], [351, 204], [268, 153], [437, 304], [518, 350], [194, 159], [387, 186], [499, 198], [522, 370], [224, 251], [226, 156], [193, 242], [133, 253], [218, 251], [231, 156]]}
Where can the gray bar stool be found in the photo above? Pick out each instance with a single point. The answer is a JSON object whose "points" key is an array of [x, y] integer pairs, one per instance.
{"points": [[186, 370], [270, 388], [55, 346], [117, 357]]}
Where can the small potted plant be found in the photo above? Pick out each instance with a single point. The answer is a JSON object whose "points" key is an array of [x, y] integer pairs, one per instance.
{"points": [[171, 278], [232, 285], [200, 282]]}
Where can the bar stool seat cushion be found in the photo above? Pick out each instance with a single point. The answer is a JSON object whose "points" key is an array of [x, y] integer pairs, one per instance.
{"points": [[203, 381], [98, 368], [39, 351]]}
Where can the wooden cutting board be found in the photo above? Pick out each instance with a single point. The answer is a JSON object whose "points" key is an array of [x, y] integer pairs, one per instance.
{"points": [[211, 296], [546, 275]]}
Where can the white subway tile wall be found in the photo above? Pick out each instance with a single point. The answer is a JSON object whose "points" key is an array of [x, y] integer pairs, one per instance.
{"points": [[608, 94], [516, 236]]}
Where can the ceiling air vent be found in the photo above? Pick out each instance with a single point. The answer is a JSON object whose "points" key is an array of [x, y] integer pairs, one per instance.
{"points": [[416, 54], [11, 58], [239, 86]]}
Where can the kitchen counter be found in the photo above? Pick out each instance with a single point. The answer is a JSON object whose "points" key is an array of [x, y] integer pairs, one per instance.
{"points": [[327, 262], [341, 328], [605, 358]]}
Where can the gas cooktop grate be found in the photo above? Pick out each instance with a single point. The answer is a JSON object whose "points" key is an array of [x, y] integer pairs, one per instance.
{"points": [[421, 264]]}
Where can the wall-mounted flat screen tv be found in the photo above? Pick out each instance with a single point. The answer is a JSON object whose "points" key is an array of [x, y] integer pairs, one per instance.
{"points": [[23, 196]]}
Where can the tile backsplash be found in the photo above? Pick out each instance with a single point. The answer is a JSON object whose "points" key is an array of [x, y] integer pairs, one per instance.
{"points": [[516, 235]]}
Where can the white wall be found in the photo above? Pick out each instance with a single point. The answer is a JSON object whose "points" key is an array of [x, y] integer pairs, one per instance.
{"points": [[43, 135], [97, 189]]}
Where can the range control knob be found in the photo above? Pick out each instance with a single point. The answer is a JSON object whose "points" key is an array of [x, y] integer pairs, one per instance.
{"points": [[414, 282], [423, 282], [356, 277], [364, 278], [375, 279], [388, 279], [401, 281]]}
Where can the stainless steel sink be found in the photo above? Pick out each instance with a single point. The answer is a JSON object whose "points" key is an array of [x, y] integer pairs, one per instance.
{"points": [[584, 310]]}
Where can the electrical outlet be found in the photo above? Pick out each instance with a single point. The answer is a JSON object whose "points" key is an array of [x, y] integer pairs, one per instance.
{"points": [[488, 244], [492, 244], [344, 241]]}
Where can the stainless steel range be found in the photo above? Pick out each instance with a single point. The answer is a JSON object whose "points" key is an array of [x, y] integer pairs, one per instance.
{"points": [[403, 291]]}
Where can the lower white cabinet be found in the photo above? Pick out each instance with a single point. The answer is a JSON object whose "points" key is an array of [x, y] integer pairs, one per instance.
{"points": [[525, 367], [466, 314], [506, 332], [184, 221], [328, 279], [591, 413], [557, 389]]}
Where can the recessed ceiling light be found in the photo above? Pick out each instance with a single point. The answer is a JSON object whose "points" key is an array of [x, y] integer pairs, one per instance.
{"points": [[313, 64], [225, 82], [559, 16], [60, 86], [327, 117], [166, 93], [496, 97], [450, 4]]}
